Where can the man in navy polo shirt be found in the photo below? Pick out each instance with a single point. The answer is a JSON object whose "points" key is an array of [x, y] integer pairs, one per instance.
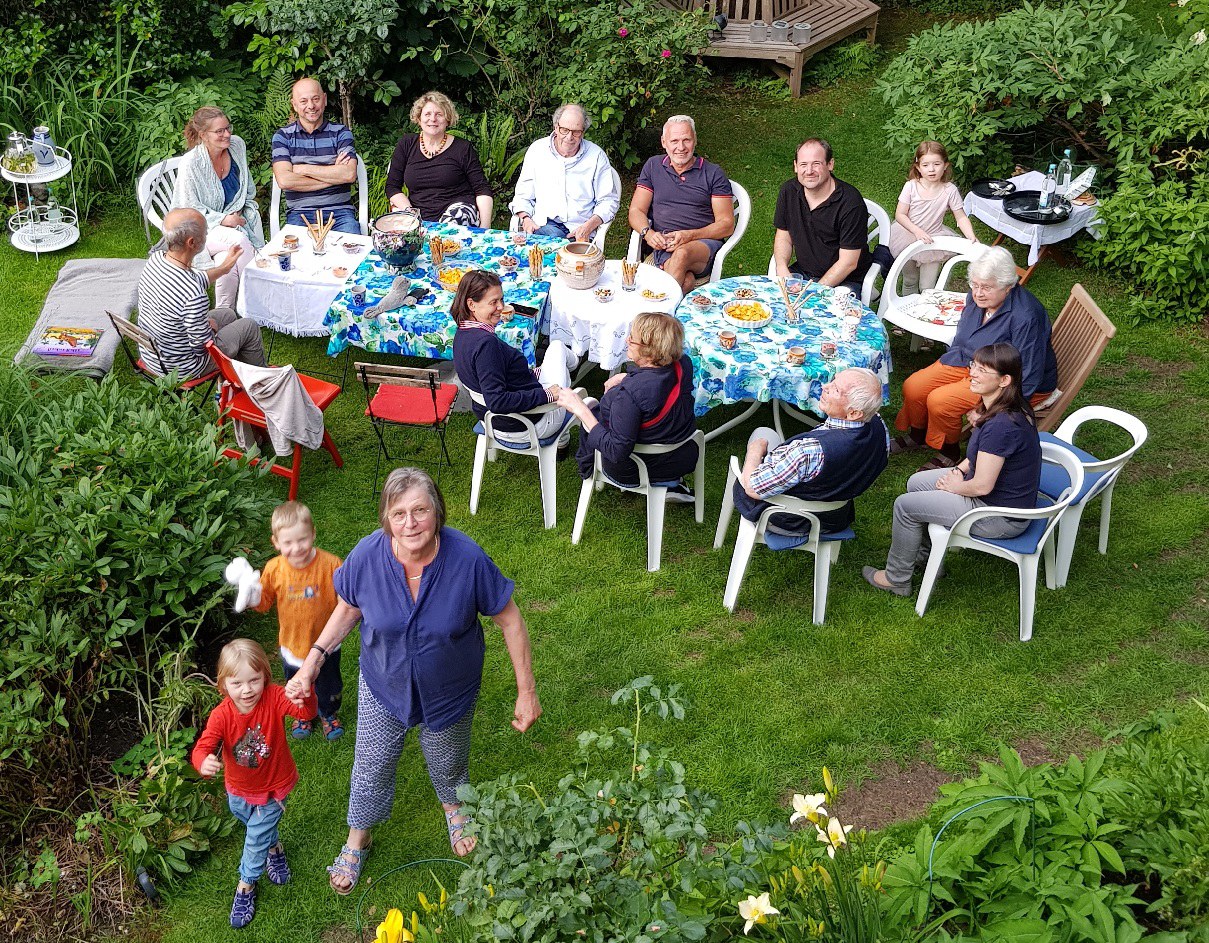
{"points": [[683, 207], [821, 221], [314, 162]]}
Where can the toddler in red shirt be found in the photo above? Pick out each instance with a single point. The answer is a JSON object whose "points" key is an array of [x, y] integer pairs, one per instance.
{"points": [[258, 770]]}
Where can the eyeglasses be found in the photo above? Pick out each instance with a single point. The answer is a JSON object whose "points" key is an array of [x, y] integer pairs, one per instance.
{"points": [[415, 515], [983, 288], [226, 130], [976, 367], [568, 132]]}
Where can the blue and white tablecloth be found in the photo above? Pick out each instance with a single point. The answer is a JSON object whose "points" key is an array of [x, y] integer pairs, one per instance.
{"points": [[427, 329], [756, 368]]}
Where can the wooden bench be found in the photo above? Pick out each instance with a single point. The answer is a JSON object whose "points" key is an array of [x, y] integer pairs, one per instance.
{"points": [[830, 21]]}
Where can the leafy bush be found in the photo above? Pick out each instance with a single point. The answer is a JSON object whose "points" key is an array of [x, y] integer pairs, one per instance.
{"points": [[117, 515]]}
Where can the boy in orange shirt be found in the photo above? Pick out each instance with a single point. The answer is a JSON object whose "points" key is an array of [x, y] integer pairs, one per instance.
{"points": [[300, 582]]}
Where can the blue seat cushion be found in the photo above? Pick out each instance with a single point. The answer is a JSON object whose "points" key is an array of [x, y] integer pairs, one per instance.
{"points": [[1055, 480], [1026, 541], [776, 541], [518, 446]]}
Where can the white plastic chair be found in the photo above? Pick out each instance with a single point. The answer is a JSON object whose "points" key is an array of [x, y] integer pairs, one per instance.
{"points": [[890, 307], [1023, 550], [1100, 477], [742, 218], [544, 450], [514, 224], [362, 202], [825, 547], [879, 232], [655, 491], [156, 186]]}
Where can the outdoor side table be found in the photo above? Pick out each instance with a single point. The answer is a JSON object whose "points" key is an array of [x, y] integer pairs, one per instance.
{"points": [[1037, 236], [33, 229]]}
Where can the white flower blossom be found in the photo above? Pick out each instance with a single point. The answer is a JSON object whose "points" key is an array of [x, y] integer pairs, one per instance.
{"points": [[1198, 38], [756, 910]]}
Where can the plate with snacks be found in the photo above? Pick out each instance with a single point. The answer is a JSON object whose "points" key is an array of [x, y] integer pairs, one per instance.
{"points": [[745, 294], [703, 301], [937, 307], [449, 277], [747, 313], [451, 246], [651, 295]]}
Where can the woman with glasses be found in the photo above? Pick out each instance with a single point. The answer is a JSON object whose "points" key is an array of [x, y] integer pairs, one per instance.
{"points": [[442, 173], [997, 311], [418, 589], [213, 179], [1002, 469]]}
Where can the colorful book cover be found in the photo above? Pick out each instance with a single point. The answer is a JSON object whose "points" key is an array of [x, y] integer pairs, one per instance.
{"points": [[68, 342]]}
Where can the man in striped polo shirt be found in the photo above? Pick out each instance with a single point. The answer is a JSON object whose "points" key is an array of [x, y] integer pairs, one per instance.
{"points": [[314, 162], [175, 309]]}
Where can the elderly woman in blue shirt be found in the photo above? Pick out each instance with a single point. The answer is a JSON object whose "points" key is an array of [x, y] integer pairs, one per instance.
{"points": [[418, 589], [997, 311]]}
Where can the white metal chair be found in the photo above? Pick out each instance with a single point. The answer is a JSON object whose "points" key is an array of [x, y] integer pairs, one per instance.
{"points": [[1023, 550], [879, 233], [544, 450], [156, 186], [825, 547], [598, 240], [742, 218], [890, 307], [655, 491], [362, 202], [1100, 477]]}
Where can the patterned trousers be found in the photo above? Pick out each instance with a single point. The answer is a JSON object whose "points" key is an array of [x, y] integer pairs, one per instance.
{"points": [[380, 738]]}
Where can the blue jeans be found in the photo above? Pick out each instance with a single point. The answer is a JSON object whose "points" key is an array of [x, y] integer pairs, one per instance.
{"points": [[551, 227], [261, 822], [346, 218], [329, 686]]}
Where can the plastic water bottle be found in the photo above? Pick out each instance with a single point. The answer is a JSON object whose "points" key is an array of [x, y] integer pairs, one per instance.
{"points": [[1065, 172], [1045, 202]]}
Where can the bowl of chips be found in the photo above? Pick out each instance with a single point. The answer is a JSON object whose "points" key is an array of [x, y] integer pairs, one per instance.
{"points": [[448, 277], [747, 313], [652, 295], [450, 247]]}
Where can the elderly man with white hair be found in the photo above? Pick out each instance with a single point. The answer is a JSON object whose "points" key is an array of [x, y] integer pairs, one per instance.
{"points": [[683, 207], [997, 310], [174, 307], [566, 187], [837, 461]]}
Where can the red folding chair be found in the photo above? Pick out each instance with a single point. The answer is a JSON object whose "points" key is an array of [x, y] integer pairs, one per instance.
{"points": [[134, 339], [405, 396], [235, 404]]}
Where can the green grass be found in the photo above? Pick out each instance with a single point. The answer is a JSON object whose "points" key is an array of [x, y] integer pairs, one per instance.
{"points": [[773, 697]]}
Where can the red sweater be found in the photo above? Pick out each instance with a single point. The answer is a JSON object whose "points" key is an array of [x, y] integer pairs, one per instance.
{"points": [[257, 764]]}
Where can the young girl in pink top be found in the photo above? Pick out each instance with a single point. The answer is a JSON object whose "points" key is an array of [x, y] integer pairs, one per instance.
{"points": [[928, 195]]}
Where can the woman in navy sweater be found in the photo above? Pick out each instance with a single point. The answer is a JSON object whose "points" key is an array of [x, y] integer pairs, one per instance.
{"points": [[499, 372], [649, 404]]}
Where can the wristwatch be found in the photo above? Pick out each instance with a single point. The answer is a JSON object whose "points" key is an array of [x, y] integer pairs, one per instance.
{"points": [[643, 231]]}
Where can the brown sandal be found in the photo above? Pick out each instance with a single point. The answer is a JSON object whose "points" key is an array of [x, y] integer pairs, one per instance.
{"points": [[937, 462], [904, 443]]}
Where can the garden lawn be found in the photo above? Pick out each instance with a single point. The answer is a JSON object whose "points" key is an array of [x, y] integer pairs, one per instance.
{"points": [[773, 698]]}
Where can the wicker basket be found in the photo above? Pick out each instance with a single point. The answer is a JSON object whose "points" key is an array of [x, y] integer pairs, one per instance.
{"points": [[580, 264]]}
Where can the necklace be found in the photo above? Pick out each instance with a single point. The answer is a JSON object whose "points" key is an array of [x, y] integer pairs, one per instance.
{"points": [[415, 577], [436, 150]]}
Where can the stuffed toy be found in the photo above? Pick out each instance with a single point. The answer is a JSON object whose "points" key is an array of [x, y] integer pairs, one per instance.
{"points": [[401, 294], [239, 573]]}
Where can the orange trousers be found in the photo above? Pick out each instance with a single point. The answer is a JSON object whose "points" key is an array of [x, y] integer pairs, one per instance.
{"points": [[936, 398]]}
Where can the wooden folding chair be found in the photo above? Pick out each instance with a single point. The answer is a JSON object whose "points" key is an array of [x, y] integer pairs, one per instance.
{"points": [[405, 396], [133, 336], [1079, 337]]}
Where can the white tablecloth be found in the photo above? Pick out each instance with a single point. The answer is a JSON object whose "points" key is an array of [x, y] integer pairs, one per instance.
{"points": [[599, 329], [296, 302], [1033, 235]]}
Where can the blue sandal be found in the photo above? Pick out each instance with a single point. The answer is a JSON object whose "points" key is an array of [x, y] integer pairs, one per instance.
{"points": [[348, 865], [456, 829]]}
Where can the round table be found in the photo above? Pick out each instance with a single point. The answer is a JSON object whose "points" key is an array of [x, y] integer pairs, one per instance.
{"points": [[598, 329], [756, 370]]}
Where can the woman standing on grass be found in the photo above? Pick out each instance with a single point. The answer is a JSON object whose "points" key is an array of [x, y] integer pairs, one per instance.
{"points": [[418, 589]]}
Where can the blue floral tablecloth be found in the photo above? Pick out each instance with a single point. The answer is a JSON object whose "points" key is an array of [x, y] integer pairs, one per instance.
{"points": [[427, 330], [756, 368]]}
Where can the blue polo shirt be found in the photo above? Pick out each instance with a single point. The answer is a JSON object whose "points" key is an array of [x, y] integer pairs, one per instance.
{"points": [[683, 200], [295, 144], [1020, 321], [423, 660]]}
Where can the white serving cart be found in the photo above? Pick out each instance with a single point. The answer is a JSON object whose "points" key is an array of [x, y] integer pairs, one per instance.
{"points": [[38, 229]]}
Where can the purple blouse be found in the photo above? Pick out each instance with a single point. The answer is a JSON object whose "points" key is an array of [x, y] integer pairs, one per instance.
{"points": [[423, 659]]}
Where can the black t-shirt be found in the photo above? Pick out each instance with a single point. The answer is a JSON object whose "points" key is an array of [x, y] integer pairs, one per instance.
{"points": [[1015, 439], [453, 176], [839, 222]]}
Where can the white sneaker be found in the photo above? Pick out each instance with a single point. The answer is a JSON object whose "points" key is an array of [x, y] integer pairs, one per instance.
{"points": [[680, 495]]}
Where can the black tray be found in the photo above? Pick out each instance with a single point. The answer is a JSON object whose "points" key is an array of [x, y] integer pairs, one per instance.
{"points": [[1022, 205], [982, 188]]}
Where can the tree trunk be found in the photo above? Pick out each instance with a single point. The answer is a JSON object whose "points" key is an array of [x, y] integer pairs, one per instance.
{"points": [[346, 103]]}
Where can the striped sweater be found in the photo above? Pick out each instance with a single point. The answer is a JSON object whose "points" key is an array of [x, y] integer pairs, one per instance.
{"points": [[174, 309]]}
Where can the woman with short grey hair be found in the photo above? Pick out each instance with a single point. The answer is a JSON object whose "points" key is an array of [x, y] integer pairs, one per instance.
{"points": [[418, 589], [998, 310]]}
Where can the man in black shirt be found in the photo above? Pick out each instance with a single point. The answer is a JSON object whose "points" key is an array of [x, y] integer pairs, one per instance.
{"points": [[822, 222]]}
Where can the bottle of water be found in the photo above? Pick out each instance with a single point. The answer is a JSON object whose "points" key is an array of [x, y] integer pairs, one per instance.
{"points": [[1065, 172], [1045, 202]]}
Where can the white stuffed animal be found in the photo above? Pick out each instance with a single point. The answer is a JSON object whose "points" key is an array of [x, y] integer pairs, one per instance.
{"points": [[239, 573]]}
